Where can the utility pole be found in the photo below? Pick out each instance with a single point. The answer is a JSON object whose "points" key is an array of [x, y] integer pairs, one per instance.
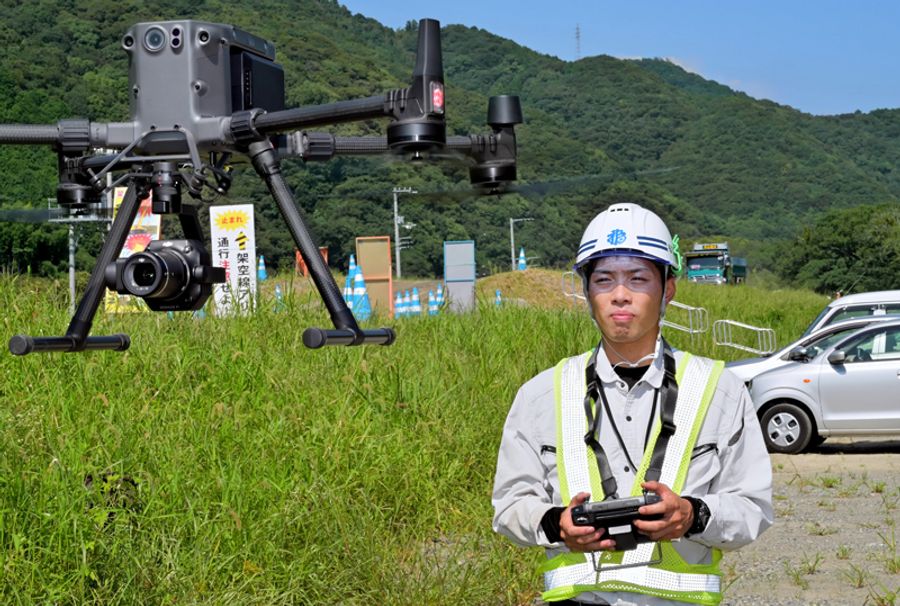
{"points": [[512, 239], [397, 221], [577, 41]]}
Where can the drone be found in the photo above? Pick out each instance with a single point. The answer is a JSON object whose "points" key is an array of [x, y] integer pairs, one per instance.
{"points": [[204, 95]]}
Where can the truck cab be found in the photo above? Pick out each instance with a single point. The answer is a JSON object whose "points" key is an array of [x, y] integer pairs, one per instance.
{"points": [[710, 263]]}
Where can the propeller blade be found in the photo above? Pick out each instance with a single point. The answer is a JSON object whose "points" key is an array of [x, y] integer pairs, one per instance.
{"points": [[25, 215]]}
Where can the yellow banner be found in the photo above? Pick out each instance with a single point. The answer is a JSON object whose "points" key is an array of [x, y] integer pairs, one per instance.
{"points": [[146, 228]]}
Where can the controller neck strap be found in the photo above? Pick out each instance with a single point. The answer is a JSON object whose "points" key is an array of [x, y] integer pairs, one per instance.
{"points": [[668, 394]]}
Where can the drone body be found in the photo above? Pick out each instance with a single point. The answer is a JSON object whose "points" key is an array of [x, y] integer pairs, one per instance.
{"points": [[204, 92]]}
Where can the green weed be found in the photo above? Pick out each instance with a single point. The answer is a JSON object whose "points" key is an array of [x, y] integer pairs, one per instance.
{"points": [[882, 596], [820, 530], [810, 564], [856, 575], [266, 473], [829, 481]]}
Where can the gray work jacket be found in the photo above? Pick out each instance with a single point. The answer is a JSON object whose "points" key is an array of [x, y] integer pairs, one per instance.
{"points": [[730, 469]]}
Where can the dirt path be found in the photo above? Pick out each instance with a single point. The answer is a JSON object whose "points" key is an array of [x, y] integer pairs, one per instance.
{"points": [[833, 542]]}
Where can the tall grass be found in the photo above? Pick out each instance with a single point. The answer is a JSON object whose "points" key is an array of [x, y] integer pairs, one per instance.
{"points": [[220, 462]]}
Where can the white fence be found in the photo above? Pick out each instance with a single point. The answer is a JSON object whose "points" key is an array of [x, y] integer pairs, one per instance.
{"points": [[697, 318], [724, 334], [569, 279]]}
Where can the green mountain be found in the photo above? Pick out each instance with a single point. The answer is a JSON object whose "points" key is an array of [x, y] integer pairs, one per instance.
{"points": [[714, 162]]}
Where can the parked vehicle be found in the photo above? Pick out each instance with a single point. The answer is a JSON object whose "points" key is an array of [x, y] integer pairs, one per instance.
{"points": [[804, 348], [852, 306], [711, 263], [851, 388]]}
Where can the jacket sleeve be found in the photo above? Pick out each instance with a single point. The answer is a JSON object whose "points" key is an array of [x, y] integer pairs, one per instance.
{"points": [[522, 491], [740, 495]]}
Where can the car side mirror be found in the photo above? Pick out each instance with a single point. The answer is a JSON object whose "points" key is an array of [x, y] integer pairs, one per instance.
{"points": [[838, 356], [798, 354]]}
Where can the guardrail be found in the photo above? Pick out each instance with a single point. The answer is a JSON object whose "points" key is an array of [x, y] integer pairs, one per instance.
{"points": [[569, 278], [723, 334], [697, 319]]}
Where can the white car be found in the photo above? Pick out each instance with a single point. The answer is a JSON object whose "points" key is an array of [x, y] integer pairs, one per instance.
{"points": [[807, 346], [853, 306], [851, 388]]}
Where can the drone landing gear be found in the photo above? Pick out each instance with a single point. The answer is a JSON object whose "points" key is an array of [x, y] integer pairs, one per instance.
{"points": [[76, 337], [346, 331], [265, 160]]}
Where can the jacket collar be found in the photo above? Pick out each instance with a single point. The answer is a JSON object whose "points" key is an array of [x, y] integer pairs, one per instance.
{"points": [[653, 376]]}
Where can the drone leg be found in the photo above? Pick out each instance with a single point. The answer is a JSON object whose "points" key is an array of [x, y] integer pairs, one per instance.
{"points": [[76, 337], [347, 331]]}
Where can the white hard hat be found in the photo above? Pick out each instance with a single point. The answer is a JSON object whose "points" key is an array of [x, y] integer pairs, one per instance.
{"points": [[626, 230]]}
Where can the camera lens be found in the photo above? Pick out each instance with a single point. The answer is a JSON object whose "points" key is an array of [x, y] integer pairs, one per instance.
{"points": [[144, 274], [155, 275], [154, 39]]}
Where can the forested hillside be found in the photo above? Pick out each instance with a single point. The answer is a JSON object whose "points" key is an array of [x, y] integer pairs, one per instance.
{"points": [[714, 162]]}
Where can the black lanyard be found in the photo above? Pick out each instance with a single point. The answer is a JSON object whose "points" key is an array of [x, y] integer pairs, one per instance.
{"points": [[667, 415]]}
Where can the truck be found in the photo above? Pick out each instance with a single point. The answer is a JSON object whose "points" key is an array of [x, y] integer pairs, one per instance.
{"points": [[712, 263]]}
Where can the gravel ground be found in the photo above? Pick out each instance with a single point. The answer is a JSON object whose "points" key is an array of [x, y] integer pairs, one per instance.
{"points": [[833, 541]]}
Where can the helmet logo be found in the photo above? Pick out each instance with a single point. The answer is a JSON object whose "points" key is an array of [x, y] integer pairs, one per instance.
{"points": [[616, 237]]}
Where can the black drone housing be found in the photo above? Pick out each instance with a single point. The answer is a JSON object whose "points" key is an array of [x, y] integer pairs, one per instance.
{"points": [[191, 75]]}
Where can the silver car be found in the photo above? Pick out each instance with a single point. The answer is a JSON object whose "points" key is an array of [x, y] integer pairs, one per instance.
{"points": [[851, 388], [804, 348]]}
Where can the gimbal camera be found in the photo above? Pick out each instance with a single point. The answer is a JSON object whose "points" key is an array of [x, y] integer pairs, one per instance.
{"points": [[201, 93]]}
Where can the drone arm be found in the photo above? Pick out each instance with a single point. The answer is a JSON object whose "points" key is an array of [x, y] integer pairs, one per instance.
{"points": [[318, 115], [29, 134]]}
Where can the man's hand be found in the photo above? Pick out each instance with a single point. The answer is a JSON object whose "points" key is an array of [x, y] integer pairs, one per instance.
{"points": [[581, 538], [678, 515]]}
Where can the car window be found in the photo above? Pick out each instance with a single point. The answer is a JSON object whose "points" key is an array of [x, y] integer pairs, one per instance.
{"points": [[874, 346], [815, 322], [854, 312], [816, 346]]}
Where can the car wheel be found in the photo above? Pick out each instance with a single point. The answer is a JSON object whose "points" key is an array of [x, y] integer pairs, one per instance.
{"points": [[786, 428]]}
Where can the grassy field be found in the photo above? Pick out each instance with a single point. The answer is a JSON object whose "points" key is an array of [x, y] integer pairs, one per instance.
{"points": [[221, 462]]}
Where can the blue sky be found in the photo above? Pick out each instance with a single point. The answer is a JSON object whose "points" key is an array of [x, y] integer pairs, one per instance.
{"points": [[822, 56]]}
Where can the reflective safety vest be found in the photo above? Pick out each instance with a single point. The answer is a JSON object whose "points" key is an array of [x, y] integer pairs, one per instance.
{"points": [[568, 573]]}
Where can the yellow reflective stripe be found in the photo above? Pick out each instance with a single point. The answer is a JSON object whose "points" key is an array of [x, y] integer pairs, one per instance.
{"points": [[566, 558], [681, 368], [711, 383], [692, 597], [560, 461], [565, 593], [694, 586]]}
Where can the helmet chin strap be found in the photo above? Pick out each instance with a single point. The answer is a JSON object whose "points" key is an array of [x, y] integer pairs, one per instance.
{"points": [[662, 303], [628, 363]]}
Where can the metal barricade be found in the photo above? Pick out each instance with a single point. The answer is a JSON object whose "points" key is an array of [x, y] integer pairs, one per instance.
{"points": [[723, 334], [569, 278], [697, 319]]}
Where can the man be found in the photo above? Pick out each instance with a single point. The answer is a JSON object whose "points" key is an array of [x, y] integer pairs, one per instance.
{"points": [[657, 421]]}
